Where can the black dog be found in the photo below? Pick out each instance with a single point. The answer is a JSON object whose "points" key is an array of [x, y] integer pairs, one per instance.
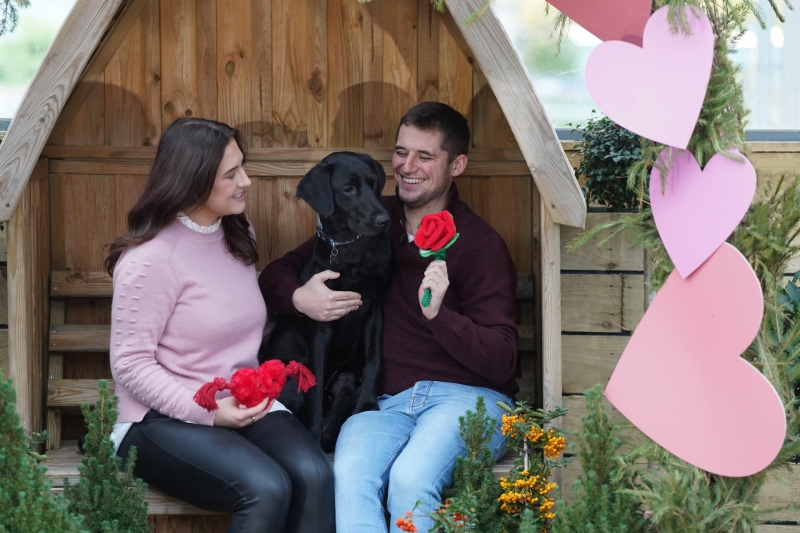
{"points": [[352, 239]]}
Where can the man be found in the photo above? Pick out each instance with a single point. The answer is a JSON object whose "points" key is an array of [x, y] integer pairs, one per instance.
{"points": [[435, 360]]}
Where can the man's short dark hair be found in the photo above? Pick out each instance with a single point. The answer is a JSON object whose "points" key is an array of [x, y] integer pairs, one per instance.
{"points": [[436, 116]]}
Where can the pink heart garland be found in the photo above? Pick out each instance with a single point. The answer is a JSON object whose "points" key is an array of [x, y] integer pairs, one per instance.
{"points": [[699, 208], [608, 20], [681, 379], [656, 91]]}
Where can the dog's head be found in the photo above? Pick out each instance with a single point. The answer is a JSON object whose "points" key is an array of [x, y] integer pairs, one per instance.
{"points": [[345, 188]]}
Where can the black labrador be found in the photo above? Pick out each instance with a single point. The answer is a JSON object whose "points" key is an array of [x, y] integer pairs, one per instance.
{"points": [[352, 239]]}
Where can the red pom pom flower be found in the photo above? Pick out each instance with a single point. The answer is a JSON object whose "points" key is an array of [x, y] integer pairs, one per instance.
{"points": [[435, 234], [251, 386]]}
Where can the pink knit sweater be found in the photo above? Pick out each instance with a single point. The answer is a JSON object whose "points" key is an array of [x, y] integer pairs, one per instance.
{"points": [[184, 312]]}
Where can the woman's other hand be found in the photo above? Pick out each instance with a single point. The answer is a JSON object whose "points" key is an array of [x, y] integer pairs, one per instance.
{"points": [[229, 414]]}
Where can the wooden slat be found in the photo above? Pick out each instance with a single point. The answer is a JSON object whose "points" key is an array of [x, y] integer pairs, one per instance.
{"points": [[456, 73], [602, 303], [512, 85], [616, 254], [260, 169], [93, 75], [345, 88], [375, 130], [589, 359], [47, 94], [4, 352], [429, 65], [264, 155], [73, 392], [399, 31], [132, 84], [782, 488], [551, 311], [55, 371], [28, 259], [79, 338], [71, 283]]}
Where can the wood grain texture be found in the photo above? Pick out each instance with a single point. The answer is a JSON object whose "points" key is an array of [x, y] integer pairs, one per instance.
{"points": [[607, 303], [616, 254], [550, 287], [46, 95], [133, 84], [55, 371], [399, 64], [428, 59], [79, 338], [514, 89], [28, 256], [83, 116], [73, 392], [455, 72], [589, 359], [345, 75], [4, 352]]}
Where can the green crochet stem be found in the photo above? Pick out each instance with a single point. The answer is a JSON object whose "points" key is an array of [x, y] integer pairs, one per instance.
{"points": [[426, 296]]}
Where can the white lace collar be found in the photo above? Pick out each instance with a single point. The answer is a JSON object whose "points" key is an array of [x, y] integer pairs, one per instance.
{"points": [[191, 224]]}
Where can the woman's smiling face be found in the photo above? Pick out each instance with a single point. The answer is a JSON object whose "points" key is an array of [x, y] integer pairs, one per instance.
{"points": [[228, 194]]}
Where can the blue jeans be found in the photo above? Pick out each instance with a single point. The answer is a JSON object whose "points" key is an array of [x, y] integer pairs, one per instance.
{"points": [[409, 446]]}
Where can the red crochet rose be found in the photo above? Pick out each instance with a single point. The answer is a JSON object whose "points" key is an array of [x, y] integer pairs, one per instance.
{"points": [[435, 231]]}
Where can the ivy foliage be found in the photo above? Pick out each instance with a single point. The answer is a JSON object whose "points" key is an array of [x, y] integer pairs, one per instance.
{"points": [[607, 152]]}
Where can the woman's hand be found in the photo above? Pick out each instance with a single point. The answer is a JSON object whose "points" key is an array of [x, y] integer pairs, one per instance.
{"points": [[437, 280], [230, 416]]}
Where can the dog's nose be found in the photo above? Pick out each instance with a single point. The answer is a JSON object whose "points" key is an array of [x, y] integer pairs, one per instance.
{"points": [[382, 221]]}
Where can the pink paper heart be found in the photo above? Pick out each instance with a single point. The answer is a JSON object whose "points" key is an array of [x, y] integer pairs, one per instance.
{"points": [[655, 91], [698, 209], [608, 20], [681, 379]]}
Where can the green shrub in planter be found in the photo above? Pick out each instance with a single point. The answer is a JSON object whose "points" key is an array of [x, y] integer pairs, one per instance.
{"points": [[607, 152]]}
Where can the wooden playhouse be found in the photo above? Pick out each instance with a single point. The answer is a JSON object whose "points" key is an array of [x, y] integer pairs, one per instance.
{"points": [[300, 78]]}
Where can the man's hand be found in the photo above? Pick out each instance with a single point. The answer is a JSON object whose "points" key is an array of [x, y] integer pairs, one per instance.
{"points": [[318, 302], [231, 416], [437, 281]]}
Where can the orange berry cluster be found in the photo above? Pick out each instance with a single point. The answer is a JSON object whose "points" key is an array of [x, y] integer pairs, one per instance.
{"points": [[527, 491], [406, 524], [555, 444]]}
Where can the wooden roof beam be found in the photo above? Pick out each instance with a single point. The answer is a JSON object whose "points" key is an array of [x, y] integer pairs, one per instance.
{"points": [[44, 100], [512, 85]]}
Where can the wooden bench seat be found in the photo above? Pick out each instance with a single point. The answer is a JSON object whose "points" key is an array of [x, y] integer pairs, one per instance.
{"points": [[63, 463]]}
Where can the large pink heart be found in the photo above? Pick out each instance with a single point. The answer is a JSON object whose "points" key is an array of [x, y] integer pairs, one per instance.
{"points": [[681, 379], [609, 20], [698, 209], [655, 91]]}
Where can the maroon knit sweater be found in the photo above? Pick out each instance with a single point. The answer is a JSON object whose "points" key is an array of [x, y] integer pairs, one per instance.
{"points": [[473, 338]]}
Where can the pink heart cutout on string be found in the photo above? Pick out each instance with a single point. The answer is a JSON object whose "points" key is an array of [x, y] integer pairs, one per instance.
{"points": [[656, 91], [609, 20], [699, 208], [681, 379]]}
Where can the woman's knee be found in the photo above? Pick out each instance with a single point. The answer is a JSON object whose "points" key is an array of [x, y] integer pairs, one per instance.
{"points": [[262, 491]]}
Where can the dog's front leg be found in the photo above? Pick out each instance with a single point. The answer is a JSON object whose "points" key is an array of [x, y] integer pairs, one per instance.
{"points": [[373, 336], [319, 348]]}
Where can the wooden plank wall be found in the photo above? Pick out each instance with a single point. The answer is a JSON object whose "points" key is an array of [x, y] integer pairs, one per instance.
{"points": [[603, 300], [298, 78]]}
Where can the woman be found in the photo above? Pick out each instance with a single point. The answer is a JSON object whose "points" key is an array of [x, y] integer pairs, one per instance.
{"points": [[187, 309]]}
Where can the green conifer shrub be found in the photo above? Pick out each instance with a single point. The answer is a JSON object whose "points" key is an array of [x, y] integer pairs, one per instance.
{"points": [[111, 503], [600, 503], [26, 504]]}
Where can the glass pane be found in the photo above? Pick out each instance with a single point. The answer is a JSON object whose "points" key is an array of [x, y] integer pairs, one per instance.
{"points": [[770, 60]]}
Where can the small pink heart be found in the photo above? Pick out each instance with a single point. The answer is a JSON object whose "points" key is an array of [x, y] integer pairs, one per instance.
{"points": [[655, 91], [681, 379], [609, 20], [698, 209]]}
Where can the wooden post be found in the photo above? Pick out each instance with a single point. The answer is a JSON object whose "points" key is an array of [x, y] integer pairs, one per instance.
{"points": [[550, 287], [28, 271]]}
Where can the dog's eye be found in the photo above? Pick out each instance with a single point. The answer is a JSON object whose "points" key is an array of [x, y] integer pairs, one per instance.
{"points": [[348, 189]]}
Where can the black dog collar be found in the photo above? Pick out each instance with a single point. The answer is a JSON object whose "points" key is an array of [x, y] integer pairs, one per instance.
{"points": [[324, 236]]}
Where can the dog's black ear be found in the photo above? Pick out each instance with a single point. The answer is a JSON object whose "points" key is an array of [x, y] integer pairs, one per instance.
{"points": [[377, 168], [315, 189]]}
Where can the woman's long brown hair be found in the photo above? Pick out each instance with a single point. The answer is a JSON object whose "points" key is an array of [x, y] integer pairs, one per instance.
{"points": [[181, 179]]}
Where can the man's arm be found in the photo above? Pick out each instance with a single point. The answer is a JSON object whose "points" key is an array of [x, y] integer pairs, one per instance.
{"points": [[483, 337], [283, 292]]}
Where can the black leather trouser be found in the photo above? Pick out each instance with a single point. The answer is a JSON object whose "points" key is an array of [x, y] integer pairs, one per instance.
{"points": [[272, 475]]}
